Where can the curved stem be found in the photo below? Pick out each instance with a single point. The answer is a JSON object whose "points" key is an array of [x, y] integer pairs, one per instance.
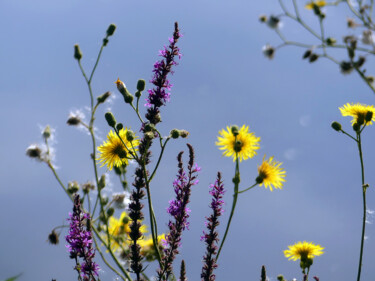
{"points": [[364, 206], [242, 191], [58, 179], [234, 203], [159, 159]]}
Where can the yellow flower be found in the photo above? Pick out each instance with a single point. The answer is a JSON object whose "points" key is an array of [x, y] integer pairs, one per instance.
{"points": [[147, 247], [113, 152], [270, 174], [245, 144], [358, 111], [303, 250], [310, 5]]}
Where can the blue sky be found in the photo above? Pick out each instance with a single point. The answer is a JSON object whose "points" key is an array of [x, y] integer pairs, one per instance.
{"points": [[222, 79]]}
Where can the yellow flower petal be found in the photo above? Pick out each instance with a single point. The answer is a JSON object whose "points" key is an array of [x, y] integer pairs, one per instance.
{"points": [[271, 174], [303, 249]]}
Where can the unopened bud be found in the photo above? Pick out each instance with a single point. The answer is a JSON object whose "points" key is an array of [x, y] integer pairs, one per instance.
{"points": [[331, 41], [346, 67], [111, 29], [104, 97], [47, 132], [174, 133], [53, 238], [130, 135], [125, 220], [234, 130], [307, 54], [73, 121], [101, 183], [336, 126], [370, 79], [110, 119], [73, 187], [360, 62], [313, 58], [263, 18], [77, 52], [34, 151], [119, 126], [105, 41], [149, 135], [128, 98], [141, 84], [361, 119], [356, 127], [138, 94], [369, 115], [259, 179], [280, 278], [149, 127], [110, 212]]}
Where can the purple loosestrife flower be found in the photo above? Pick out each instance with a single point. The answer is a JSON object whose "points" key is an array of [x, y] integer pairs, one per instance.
{"points": [[211, 237], [160, 94], [80, 242], [179, 211]]}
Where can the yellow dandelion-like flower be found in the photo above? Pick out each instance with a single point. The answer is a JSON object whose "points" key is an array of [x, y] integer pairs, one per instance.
{"points": [[358, 111], [310, 5], [271, 174], [147, 247], [113, 152], [246, 143], [303, 250]]}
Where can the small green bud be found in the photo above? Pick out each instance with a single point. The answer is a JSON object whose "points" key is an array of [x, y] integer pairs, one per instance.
{"points": [[138, 94], [141, 85], [369, 115], [105, 42], [128, 98], [280, 277], [356, 127], [103, 98], [157, 118], [331, 41], [111, 29], [53, 238], [361, 119], [263, 18], [125, 220], [47, 132], [313, 57], [110, 212], [307, 54], [360, 62], [77, 52], [184, 134], [130, 135], [104, 201], [238, 146], [370, 79], [119, 126], [110, 119], [174, 134], [234, 129], [236, 179], [346, 67], [101, 183], [336, 126], [149, 127]]}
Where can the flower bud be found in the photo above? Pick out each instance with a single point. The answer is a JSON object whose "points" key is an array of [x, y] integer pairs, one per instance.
{"points": [[331, 41], [234, 130], [110, 212], [110, 119], [53, 238], [236, 179], [361, 119], [102, 98], [105, 42], [356, 127], [370, 79], [128, 98], [73, 121], [125, 220], [360, 62], [184, 134], [47, 132], [149, 127], [346, 67], [313, 58], [336, 126], [138, 94], [280, 278], [368, 116], [307, 54], [141, 84], [86, 187], [263, 18], [119, 126], [174, 133], [104, 201], [130, 135], [149, 136], [259, 179], [101, 183], [77, 52], [34, 151], [111, 29]]}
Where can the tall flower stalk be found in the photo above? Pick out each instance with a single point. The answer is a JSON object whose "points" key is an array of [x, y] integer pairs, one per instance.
{"points": [[363, 115], [179, 211]]}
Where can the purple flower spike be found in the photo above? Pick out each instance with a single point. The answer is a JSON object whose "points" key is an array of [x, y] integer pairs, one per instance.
{"points": [[179, 211], [160, 94], [211, 237], [80, 242]]}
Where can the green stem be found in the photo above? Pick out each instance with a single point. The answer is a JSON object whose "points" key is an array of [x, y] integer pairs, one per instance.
{"points": [[364, 206], [235, 196], [159, 159], [58, 179], [242, 191]]}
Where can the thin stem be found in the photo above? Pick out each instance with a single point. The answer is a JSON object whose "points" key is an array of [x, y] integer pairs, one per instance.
{"points": [[235, 196], [349, 135], [113, 256], [242, 191], [364, 206], [364, 78], [58, 179], [159, 159]]}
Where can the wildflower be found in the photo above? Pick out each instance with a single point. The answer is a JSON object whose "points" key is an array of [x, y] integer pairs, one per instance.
{"points": [[53, 237], [268, 51], [273, 22], [244, 144], [148, 249], [113, 152], [346, 67], [358, 111], [270, 174], [34, 151], [303, 250], [75, 118], [80, 242], [310, 5]]}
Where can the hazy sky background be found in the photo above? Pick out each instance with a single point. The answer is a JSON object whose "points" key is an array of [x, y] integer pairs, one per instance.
{"points": [[222, 79]]}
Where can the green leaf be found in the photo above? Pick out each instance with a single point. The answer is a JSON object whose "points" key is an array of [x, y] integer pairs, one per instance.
{"points": [[13, 278]]}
